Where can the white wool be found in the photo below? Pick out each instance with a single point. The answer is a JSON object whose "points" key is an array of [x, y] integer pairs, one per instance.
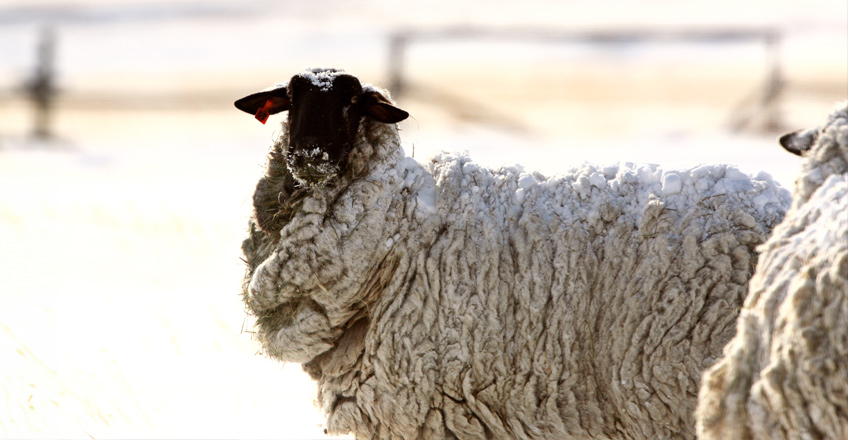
{"points": [[464, 302], [784, 375]]}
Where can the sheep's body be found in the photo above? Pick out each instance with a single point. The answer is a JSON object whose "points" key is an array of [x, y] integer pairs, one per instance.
{"points": [[785, 374], [452, 301]]}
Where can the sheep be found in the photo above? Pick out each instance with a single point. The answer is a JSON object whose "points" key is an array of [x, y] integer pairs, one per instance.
{"points": [[451, 301], [785, 373]]}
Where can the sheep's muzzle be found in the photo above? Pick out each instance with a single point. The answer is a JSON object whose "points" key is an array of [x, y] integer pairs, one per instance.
{"points": [[312, 166]]}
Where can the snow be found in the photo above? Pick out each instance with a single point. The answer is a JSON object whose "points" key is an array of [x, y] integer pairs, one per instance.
{"points": [[320, 77], [598, 180], [734, 173], [525, 181], [687, 185], [276, 86], [96, 282], [415, 175], [671, 184]]}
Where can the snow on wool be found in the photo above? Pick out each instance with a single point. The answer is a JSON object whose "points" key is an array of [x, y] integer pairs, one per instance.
{"points": [[448, 300], [785, 373]]}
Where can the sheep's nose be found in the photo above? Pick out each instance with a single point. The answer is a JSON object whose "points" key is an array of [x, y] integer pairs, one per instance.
{"points": [[309, 153]]}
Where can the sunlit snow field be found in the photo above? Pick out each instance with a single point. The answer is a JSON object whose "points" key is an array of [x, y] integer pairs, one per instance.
{"points": [[120, 277]]}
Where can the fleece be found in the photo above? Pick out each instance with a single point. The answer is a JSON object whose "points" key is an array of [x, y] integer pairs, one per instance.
{"points": [[785, 373], [445, 300]]}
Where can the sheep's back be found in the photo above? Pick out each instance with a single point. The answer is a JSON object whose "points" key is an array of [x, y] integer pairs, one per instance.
{"points": [[586, 304]]}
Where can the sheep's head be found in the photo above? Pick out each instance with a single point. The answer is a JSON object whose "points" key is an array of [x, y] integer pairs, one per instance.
{"points": [[325, 109], [825, 153], [800, 141]]}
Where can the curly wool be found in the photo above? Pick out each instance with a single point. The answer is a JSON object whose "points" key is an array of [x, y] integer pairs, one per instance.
{"points": [[785, 374], [453, 301]]}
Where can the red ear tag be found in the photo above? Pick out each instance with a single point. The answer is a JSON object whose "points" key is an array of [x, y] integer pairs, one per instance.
{"points": [[263, 113]]}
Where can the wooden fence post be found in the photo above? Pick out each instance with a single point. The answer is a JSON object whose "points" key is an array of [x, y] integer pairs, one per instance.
{"points": [[41, 90]]}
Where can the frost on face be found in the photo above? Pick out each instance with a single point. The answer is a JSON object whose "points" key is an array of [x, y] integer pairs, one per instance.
{"points": [[311, 167], [321, 78], [313, 153]]}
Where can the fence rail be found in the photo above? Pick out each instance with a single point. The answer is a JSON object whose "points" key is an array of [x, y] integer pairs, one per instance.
{"points": [[762, 102]]}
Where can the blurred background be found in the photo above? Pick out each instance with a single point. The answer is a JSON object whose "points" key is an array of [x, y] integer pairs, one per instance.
{"points": [[126, 174]]}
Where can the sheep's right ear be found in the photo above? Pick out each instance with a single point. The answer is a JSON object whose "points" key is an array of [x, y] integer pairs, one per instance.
{"points": [[265, 103], [799, 141]]}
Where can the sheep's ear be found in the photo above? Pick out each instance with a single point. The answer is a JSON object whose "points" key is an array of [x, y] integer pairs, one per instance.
{"points": [[378, 107], [265, 103], [799, 141]]}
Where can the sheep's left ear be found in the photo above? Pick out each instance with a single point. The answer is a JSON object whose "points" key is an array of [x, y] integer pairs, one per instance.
{"points": [[799, 141], [378, 107]]}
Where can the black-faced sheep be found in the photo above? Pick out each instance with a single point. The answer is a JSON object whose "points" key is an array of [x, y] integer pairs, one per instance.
{"points": [[785, 373], [447, 300]]}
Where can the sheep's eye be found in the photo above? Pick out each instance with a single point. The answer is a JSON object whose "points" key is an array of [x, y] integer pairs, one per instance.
{"points": [[354, 99]]}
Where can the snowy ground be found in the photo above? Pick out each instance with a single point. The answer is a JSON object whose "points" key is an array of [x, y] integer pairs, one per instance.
{"points": [[120, 313]]}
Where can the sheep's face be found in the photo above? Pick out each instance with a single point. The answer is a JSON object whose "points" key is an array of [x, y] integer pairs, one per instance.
{"points": [[323, 120], [326, 107]]}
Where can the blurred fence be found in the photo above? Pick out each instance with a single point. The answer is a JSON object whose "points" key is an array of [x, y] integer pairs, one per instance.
{"points": [[761, 102]]}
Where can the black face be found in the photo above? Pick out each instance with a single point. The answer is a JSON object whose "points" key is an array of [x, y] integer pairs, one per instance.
{"points": [[325, 109], [323, 121]]}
